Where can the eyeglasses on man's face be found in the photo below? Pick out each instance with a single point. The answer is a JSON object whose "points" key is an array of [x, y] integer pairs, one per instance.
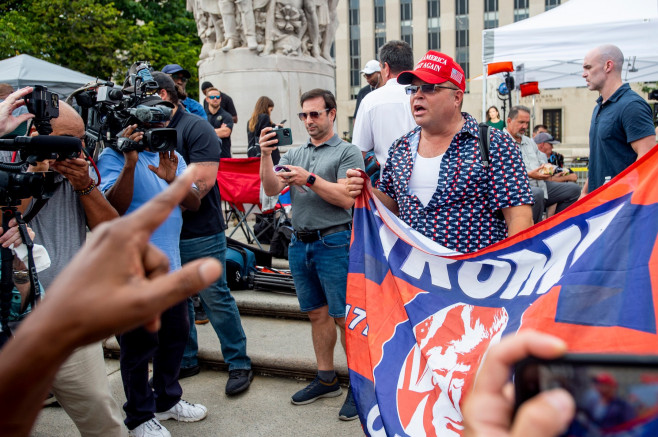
{"points": [[427, 88], [313, 114], [177, 76], [214, 97]]}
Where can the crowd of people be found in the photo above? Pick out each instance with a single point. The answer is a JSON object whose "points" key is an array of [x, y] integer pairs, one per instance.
{"points": [[163, 225]]}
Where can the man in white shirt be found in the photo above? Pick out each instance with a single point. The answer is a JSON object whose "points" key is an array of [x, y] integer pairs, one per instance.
{"points": [[385, 114]]}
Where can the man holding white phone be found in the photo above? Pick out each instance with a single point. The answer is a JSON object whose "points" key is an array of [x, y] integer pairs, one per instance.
{"points": [[322, 219]]}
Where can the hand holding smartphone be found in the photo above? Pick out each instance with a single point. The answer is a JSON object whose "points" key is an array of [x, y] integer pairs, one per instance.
{"points": [[611, 391], [282, 169]]}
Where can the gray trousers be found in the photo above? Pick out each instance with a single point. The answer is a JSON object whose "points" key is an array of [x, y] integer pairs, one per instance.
{"points": [[561, 193]]}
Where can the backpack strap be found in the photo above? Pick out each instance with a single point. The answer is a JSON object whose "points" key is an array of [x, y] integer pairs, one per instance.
{"points": [[484, 136]]}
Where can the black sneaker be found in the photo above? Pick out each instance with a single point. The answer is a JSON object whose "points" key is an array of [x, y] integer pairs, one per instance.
{"points": [[348, 410], [238, 381], [186, 372], [315, 390]]}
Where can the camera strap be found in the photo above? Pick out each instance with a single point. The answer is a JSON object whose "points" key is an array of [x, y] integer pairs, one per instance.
{"points": [[7, 283], [35, 290], [36, 207]]}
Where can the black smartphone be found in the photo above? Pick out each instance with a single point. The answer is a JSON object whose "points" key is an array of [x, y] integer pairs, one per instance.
{"points": [[283, 121], [284, 135], [615, 394]]}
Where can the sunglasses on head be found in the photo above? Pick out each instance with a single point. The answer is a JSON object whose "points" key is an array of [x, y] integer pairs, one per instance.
{"points": [[214, 97], [313, 114], [427, 88]]}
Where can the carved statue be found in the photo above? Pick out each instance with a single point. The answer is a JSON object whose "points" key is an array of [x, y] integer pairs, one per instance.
{"points": [[288, 27]]}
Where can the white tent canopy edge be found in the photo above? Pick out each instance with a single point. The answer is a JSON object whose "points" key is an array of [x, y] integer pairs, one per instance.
{"points": [[551, 45]]}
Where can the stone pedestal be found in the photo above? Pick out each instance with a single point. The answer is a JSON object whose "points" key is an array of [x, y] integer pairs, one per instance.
{"points": [[245, 77]]}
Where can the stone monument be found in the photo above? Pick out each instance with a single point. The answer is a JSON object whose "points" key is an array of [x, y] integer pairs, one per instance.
{"points": [[273, 48]]}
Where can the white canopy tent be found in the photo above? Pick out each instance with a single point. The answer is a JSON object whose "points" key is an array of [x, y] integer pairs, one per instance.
{"points": [[24, 70], [551, 46]]}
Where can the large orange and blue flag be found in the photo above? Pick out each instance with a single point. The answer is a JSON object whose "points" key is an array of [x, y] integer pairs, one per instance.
{"points": [[421, 317]]}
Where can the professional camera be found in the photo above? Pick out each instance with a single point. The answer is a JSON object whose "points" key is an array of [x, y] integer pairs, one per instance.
{"points": [[107, 111], [15, 184], [45, 106]]}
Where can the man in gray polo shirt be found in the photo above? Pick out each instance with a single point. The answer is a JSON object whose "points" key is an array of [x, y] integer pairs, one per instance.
{"points": [[322, 218]]}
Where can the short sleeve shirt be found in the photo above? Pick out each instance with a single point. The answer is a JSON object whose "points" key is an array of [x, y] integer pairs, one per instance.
{"points": [[146, 186], [532, 159], [216, 120], [623, 118], [330, 161], [462, 213], [197, 142]]}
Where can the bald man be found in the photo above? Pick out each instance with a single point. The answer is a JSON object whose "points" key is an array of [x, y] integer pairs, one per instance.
{"points": [[81, 386], [622, 124]]}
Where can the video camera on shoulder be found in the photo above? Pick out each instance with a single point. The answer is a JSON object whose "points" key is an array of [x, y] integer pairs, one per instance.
{"points": [[108, 110]]}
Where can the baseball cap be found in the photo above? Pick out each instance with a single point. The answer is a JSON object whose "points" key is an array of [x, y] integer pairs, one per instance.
{"points": [[164, 82], [206, 85], [175, 68], [155, 100], [372, 66], [544, 137], [605, 378], [435, 68]]}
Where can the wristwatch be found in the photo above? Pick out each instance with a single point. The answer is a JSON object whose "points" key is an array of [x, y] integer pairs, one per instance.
{"points": [[310, 180]]}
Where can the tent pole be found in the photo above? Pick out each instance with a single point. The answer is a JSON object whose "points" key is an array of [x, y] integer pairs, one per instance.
{"points": [[485, 67]]}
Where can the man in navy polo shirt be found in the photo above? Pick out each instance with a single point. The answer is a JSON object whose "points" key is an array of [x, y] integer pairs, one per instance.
{"points": [[622, 126]]}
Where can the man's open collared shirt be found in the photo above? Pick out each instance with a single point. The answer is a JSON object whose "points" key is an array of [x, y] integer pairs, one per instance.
{"points": [[462, 214]]}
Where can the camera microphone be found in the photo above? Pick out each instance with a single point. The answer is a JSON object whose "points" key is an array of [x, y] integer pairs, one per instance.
{"points": [[142, 114], [41, 147]]}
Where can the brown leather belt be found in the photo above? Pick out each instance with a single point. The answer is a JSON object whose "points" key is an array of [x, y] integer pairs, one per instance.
{"points": [[311, 236]]}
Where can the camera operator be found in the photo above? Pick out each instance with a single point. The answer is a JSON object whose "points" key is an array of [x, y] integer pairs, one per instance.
{"points": [[203, 235], [80, 386], [129, 180]]}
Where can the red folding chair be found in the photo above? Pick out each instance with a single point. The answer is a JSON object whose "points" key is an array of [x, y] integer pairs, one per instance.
{"points": [[239, 185]]}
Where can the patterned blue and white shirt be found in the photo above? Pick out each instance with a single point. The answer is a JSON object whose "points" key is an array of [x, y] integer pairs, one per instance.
{"points": [[462, 214]]}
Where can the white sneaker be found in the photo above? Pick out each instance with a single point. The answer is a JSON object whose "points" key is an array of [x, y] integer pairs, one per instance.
{"points": [[151, 428], [183, 411]]}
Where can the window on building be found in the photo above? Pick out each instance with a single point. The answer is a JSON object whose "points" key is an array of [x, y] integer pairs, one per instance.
{"points": [[462, 36], [521, 10], [490, 14], [433, 24], [406, 28], [355, 49], [552, 118], [380, 24], [550, 4]]}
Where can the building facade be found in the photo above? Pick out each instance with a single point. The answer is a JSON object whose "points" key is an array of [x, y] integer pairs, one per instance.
{"points": [[453, 27]]}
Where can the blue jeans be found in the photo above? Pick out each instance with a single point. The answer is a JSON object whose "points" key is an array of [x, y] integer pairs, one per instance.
{"points": [[319, 270], [219, 305]]}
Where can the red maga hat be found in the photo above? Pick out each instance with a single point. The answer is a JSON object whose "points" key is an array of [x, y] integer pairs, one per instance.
{"points": [[435, 68]]}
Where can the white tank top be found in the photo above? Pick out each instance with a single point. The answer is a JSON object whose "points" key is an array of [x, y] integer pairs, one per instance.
{"points": [[425, 177]]}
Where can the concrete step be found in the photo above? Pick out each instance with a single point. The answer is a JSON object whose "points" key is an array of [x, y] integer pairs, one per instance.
{"points": [[280, 347], [268, 304]]}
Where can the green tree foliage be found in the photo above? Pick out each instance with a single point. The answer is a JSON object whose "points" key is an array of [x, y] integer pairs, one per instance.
{"points": [[102, 38]]}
